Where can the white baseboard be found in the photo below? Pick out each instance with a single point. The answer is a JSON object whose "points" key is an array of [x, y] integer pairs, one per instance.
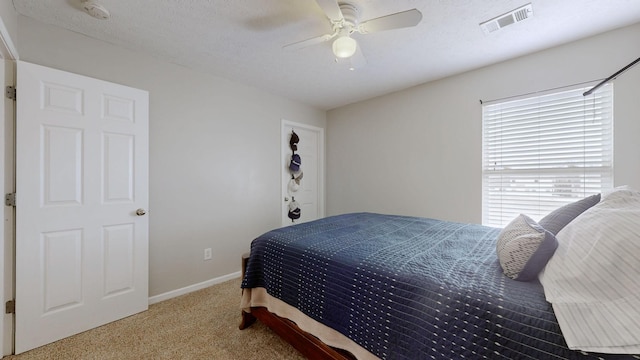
{"points": [[191, 288]]}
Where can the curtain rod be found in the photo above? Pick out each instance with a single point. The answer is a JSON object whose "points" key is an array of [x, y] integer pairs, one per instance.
{"points": [[588, 92], [537, 92]]}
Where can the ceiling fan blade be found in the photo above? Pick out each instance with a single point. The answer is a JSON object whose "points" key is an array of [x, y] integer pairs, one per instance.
{"points": [[394, 21], [331, 9], [309, 42]]}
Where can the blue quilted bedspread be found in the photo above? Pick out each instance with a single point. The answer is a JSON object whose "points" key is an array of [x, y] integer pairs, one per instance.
{"points": [[409, 288]]}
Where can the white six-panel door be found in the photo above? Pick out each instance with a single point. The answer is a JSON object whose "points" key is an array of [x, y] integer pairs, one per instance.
{"points": [[81, 173], [310, 195]]}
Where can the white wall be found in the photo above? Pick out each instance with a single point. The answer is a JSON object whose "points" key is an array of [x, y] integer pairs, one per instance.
{"points": [[418, 151], [214, 152]]}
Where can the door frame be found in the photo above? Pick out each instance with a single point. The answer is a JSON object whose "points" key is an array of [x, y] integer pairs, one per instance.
{"points": [[285, 151], [9, 54]]}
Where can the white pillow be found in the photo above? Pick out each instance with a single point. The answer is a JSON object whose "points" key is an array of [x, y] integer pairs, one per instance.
{"points": [[593, 279]]}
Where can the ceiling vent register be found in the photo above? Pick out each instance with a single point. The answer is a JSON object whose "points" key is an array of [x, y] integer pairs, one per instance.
{"points": [[512, 17]]}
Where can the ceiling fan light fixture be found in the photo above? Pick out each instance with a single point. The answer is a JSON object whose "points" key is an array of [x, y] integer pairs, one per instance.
{"points": [[344, 47]]}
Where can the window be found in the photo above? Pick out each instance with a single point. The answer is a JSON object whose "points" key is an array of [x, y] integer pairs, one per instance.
{"points": [[545, 151]]}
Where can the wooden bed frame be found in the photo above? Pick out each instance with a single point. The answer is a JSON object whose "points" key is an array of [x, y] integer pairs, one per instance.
{"points": [[310, 346]]}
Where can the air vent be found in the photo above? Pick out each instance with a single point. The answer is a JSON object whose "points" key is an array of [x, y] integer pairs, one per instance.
{"points": [[512, 17]]}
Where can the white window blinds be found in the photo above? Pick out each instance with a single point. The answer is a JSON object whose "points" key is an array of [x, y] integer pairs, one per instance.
{"points": [[542, 152]]}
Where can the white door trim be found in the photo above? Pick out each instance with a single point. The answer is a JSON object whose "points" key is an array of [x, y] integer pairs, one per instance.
{"points": [[7, 179], [286, 151], [9, 53]]}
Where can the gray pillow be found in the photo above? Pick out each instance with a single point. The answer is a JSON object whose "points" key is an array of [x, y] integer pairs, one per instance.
{"points": [[559, 218], [524, 248]]}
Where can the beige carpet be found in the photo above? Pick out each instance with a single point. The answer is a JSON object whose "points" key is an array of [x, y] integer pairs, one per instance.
{"points": [[199, 325]]}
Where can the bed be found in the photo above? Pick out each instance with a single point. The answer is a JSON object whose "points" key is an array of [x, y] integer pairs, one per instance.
{"points": [[367, 286]]}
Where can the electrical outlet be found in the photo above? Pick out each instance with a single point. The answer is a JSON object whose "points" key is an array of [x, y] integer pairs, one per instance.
{"points": [[207, 254]]}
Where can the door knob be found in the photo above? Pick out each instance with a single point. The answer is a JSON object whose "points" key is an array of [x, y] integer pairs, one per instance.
{"points": [[140, 212], [286, 198]]}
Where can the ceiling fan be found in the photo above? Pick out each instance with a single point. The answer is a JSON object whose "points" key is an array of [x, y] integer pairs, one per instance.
{"points": [[344, 17]]}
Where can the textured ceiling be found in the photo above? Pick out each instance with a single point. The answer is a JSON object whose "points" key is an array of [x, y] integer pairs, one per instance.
{"points": [[242, 39]]}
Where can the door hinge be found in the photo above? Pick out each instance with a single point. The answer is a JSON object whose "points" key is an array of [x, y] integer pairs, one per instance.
{"points": [[10, 199], [10, 307], [10, 92]]}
